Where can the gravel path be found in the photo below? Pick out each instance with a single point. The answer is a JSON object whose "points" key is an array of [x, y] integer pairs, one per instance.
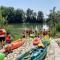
{"points": [[53, 51], [27, 46]]}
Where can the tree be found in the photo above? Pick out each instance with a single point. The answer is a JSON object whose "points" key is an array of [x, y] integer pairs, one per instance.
{"points": [[29, 15], [51, 16], [34, 17], [18, 16], [40, 17], [12, 15]]}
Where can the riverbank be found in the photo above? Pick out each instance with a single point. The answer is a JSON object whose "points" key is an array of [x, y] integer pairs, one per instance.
{"points": [[53, 51], [21, 50]]}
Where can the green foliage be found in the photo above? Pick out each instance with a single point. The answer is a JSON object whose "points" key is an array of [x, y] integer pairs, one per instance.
{"points": [[40, 16], [54, 21], [2, 21], [58, 27], [52, 32], [11, 15], [14, 31], [53, 17], [19, 16], [55, 30]]}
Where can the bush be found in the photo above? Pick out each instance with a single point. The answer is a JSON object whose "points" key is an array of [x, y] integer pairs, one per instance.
{"points": [[55, 30], [52, 32], [2, 21], [58, 27]]}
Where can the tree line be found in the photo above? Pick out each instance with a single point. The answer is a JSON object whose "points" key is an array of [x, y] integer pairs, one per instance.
{"points": [[12, 15], [53, 17]]}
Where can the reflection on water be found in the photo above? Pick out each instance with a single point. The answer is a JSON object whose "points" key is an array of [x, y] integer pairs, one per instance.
{"points": [[17, 29], [34, 26], [28, 25]]}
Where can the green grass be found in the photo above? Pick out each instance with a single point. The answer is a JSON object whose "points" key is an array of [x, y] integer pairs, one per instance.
{"points": [[55, 30], [14, 31]]}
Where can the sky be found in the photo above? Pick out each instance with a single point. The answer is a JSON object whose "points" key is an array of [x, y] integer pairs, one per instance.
{"points": [[36, 5]]}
